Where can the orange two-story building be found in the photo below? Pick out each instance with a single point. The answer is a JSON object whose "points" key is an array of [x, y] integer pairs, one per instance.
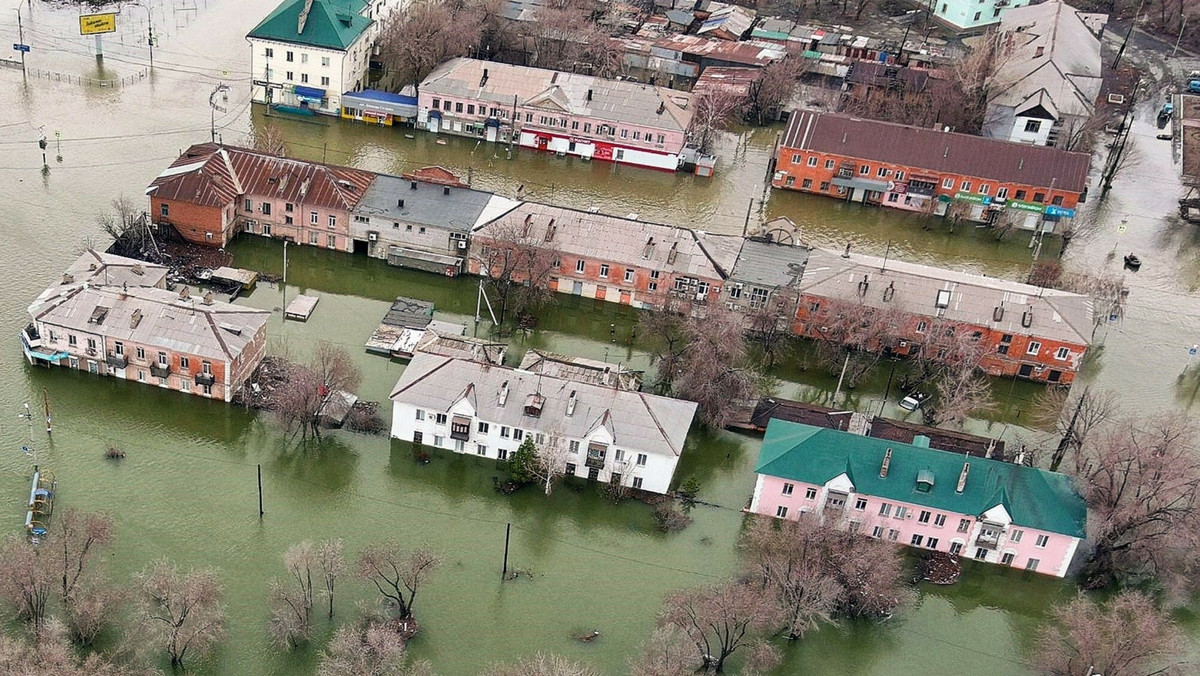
{"points": [[620, 260], [1020, 330], [931, 171], [213, 191]]}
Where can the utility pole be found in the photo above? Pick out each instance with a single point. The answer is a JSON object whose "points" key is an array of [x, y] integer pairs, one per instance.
{"points": [[504, 570], [150, 35], [46, 405], [1182, 25], [214, 107], [21, 37], [1132, 23], [260, 507], [284, 285], [1069, 435]]}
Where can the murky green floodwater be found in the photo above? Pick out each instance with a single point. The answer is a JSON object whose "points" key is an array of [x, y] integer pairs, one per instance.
{"points": [[187, 488]]}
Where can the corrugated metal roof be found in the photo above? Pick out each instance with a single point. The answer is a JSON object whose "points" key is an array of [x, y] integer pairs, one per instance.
{"points": [[917, 147], [331, 24]]}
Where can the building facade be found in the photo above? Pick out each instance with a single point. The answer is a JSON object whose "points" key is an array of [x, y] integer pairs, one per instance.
{"points": [[969, 15], [992, 511], [558, 112], [145, 333], [212, 192], [306, 53], [604, 434], [615, 259], [929, 171], [1016, 329]]}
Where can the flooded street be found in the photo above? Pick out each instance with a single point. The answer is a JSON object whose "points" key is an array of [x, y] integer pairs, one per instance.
{"points": [[186, 489]]}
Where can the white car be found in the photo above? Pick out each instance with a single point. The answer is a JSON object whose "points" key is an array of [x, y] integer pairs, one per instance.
{"points": [[913, 401]]}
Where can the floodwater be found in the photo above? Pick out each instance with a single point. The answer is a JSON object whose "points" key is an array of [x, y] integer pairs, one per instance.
{"points": [[187, 486]]}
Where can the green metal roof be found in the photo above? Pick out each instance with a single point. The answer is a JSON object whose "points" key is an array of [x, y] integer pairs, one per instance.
{"points": [[332, 24], [1033, 497]]}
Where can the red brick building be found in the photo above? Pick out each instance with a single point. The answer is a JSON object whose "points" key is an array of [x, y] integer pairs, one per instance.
{"points": [[616, 259], [927, 170], [212, 192], [1022, 330]]}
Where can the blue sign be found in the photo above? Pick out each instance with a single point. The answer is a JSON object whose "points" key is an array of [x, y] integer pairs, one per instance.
{"points": [[1193, 350], [20, 47], [1052, 210]]}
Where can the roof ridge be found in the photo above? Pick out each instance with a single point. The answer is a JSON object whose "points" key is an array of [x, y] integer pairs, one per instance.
{"points": [[217, 334], [662, 432]]}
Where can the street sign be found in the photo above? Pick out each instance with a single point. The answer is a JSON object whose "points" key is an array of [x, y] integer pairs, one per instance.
{"points": [[1062, 212], [20, 48], [1121, 229], [1193, 350], [1032, 207], [264, 83], [973, 198], [95, 24]]}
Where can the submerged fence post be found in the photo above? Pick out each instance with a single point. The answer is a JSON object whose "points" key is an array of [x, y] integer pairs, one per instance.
{"points": [[507, 533], [260, 509]]}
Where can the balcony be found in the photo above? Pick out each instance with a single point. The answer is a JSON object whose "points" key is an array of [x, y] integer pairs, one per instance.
{"points": [[30, 337], [159, 370], [204, 378], [988, 539], [460, 428], [594, 461], [117, 361]]}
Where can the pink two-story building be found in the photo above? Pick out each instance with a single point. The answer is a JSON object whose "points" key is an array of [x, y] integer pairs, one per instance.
{"points": [[986, 509]]}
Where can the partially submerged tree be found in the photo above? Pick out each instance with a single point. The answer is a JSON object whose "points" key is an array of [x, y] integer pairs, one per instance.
{"points": [[366, 649], [1072, 416], [425, 36], [543, 465], [28, 581], [291, 599], [267, 138], [1127, 636], [48, 652], [668, 652], [720, 619], [853, 336], [714, 370], [516, 266], [180, 610], [78, 537], [714, 110], [331, 560], [396, 574], [310, 388], [541, 664], [1141, 481], [772, 90]]}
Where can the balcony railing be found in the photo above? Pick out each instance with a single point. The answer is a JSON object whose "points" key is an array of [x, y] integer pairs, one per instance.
{"points": [[160, 370], [988, 541], [117, 361], [594, 462], [205, 379]]}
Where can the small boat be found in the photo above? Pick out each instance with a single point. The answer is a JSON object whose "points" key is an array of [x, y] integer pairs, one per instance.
{"points": [[1132, 262], [441, 142], [41, 505], [1164, 137]]}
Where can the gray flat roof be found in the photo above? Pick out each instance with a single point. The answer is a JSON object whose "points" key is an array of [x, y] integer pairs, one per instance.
{"points": [[426, 205], [771, 265]]}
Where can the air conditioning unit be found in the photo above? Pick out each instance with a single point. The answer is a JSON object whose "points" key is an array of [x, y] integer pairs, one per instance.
{"points": [[462, 243], [372, 237], [701, 295], [737, 285]]}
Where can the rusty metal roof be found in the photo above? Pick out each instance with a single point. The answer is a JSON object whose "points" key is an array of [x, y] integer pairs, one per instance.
{"points": [[937, 151], [215, 175]]}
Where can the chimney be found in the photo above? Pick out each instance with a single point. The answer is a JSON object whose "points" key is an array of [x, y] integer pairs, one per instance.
{"points": [[135, 319], [400, 203], [962, 478], [1027, 317], [1021, 163], [846, 253], [649, 249], [571, 403], [589, 95], [68, 278], [844, 136], [184, 293], [92, 267], [990, 449], [887, 461], [483, 80], [503, 393], [412, 186], [208, 297], [672, 253], [662, 107], [446, 190]]}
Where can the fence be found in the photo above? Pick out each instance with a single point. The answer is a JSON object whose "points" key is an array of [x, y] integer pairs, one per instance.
{"points": [[84, 80]]}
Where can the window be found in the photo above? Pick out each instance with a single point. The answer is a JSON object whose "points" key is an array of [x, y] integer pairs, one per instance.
{"points": [[440, 418], [931, 543], [184, 363], [976, 16], [1007, 559], [437, 441], [1034, 347], [812, 161], [939, 520], [141, 352], [291, 75], [579, 265], [470, 109], [828, 164], [304, 78], [860, 504], [637, 482], [1039, 197], [885, 509], [1057, 201], [624, 133], [637, 136], [965, 186], [923, 517], [164, 210], [570, 469], [921, 326], [1042, 541], [641, 459], [983, 188], [788, 488], [628, 275], [864, 169], [501, 454], [917, 539], [269, 52], [806, 183], [956, 548], [661, 139], [981, 553], [620, 155], [162, 358], [882, 172], [964, 525], [948, 183], [518, 434], [141, 374], [1015, 536], [877, 532], [331, 241], [420, 414], [1002, 193], [119, 348], [72, 340], [266, 208], [312, 237], [480, 449], [459, 446], [325, 61], [824, 186], [893, 534], [653, 286], [604, 270], [289, 57], [1031, 565], [901, 512], [781, 512], [91, 343], [795, 158], [332, 221], [1021, 194], [247, 205], [810, 493], [1062, 354], [312, 217], [184, 385], [324, 81], [483, 427], [458, 106]]}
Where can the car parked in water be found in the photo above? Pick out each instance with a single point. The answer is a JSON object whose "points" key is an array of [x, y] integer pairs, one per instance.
{"points": [[913, 400]]}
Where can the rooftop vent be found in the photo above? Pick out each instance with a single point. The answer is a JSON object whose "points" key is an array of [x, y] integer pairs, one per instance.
{"points": [[400, 203], [889, 292], [503, 393], [862, 286], [412, 186], [846, 253], [446, 190], [137, 270], [962, 478], [235, 330], [92, 267], [589, 95], [924, 481], [533, 405], [135, 319], [68, 278], [208, 297], [571, 403], [887, 462], [98, 315], [649, 248], [483, 80], [943, 299], [672, 253], [662, 107], [998, 313], [1027, 318], [185, 293]]}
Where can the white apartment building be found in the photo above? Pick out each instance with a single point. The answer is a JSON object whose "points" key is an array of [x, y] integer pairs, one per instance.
{"points": [[602, 433], [306, 53]]}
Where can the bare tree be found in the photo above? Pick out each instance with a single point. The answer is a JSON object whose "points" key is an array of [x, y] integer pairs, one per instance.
{"points": [[1072, 417], [853, 335], [544, 464], [714, 370], [970, 77], [426, 35], [49, 652], [541, 664], [516, 267], [816, 573], [719, 619], [770, 326], [1107, 291], [332, 562], [28, 580], [397, 575], [267, 138], [76, 540], [773, 89], [959, 394], [1141, 481], [180, 610], [668, 329], [669, 652], [92, 608], [302, 402], [714, 111], [1127, 636], [365, 649], [128, 226], [291, 600]]}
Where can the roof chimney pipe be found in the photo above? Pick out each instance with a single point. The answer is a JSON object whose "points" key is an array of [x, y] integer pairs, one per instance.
{"points": [[412, 186], [589, 95], [446, 190], [887, 461], [400, 203], [962, 478]]}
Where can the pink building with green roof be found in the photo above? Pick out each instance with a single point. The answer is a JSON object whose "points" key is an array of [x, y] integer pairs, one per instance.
{"points": [[989, 510]]}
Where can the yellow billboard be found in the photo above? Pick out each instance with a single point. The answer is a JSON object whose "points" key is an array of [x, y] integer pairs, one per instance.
{"points": [[94, 24]]}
